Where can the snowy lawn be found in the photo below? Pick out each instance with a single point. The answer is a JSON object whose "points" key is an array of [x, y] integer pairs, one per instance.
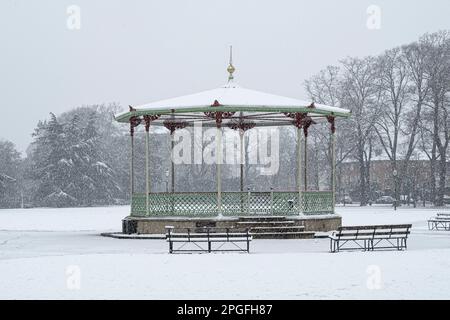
{"points": [[42, 252]]}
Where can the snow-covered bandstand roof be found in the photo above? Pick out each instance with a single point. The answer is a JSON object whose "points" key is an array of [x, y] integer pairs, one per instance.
{"points": [[259, 107]]}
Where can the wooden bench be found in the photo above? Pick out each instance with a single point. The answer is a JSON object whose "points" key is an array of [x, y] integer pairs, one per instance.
{"points": [[442, 214], [440, 222], [208, 239], [370, 237]]}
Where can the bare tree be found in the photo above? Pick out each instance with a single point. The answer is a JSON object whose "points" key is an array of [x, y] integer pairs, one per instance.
{"points": [[361, 95], [394, 95], [326, 88], [438, 69], [415, 55]]}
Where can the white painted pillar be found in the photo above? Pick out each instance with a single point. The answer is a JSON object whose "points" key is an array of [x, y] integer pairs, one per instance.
{"points": [[132, 164], [219, 169], [333, 167], [147, 170], [299, 170], [305, 164], [242, 159], [172, 166]]}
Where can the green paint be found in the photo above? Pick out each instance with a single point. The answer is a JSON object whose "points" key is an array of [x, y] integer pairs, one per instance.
{"points": [[234, 204]]}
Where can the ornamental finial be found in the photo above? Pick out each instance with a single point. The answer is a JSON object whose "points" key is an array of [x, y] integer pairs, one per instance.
{"points": [[231, 68]]}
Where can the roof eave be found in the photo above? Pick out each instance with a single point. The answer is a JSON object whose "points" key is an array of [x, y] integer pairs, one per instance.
{"points": [[125, 117]]}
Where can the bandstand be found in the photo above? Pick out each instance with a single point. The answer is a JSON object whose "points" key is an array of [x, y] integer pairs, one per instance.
{"points": [[241, 109]]}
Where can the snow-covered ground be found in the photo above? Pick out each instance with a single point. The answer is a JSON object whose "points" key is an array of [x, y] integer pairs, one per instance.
{"points": [[58, 253]]}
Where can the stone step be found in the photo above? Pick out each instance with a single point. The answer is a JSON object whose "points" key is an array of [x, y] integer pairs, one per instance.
{"points": [[262, 218], [277, 229], [251, 224], [322, 235], [284, 235]]}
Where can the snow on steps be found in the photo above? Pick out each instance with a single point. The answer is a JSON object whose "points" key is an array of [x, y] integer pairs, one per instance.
{"points": [[250, 224], [277, 229], [262, 218], [261, 227], [274, 228]]}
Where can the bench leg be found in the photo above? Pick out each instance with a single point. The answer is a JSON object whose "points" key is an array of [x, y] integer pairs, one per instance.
{"points": [[170, 247], [332, 245], [209, 246]]}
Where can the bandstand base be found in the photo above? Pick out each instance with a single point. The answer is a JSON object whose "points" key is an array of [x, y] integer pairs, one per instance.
{"points": [[262, 227]]}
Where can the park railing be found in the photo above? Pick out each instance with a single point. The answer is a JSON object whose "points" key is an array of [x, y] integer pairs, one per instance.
{"points": [[233, 204]]}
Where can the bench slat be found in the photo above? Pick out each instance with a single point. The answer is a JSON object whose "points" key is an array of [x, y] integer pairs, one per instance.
{"points": [[210, 240], [205, 235], [371, 227], [383, 232]]}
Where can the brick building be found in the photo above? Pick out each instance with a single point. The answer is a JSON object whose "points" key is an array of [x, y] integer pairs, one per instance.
{"points": [[382, 179]]}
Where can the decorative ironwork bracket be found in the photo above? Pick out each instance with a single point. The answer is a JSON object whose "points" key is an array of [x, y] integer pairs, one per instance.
{"points": [[148, 119], [134, 122], [331, 120], [241, 125], [307, 122], [218, 115], [298, 118], [173, 125]]}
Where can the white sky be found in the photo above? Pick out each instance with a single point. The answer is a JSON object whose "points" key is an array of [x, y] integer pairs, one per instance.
{"points": [[133, 52]]}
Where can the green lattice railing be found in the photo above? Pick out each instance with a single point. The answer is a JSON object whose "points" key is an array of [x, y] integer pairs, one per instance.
{"points": [[204, 204], [138, 207], [317, 202]]}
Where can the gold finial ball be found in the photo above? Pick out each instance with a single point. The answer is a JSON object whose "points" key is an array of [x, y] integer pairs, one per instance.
{"points": [[230, 68]]}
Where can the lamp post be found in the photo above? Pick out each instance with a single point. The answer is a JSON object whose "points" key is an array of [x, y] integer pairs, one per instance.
{"points": [[395, 173]]}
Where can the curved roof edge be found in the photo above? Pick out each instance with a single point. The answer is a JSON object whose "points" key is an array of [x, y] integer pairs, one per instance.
{"points": [[232, 98]]}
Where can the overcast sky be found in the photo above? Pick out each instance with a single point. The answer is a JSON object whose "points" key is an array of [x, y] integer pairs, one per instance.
{"points": [[133, 52]]}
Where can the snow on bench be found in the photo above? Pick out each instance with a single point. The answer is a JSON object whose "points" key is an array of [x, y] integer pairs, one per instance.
{"points": [[370, 237], [440, 222], [193, 240]]}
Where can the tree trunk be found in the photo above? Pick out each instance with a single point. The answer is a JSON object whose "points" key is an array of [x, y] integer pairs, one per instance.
{"points": [[433, 176], [442, 176], [362, 177]]}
